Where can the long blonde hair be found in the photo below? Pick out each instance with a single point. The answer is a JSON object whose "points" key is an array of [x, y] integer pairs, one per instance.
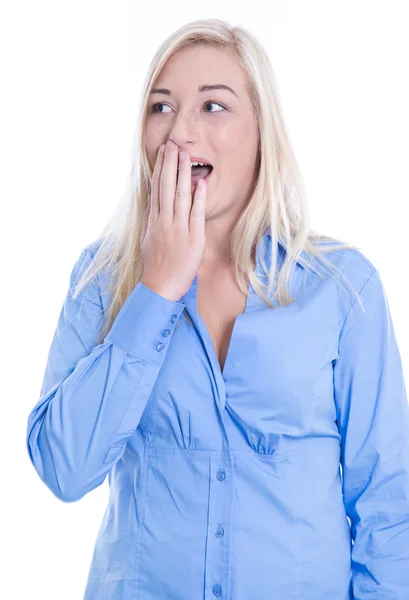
{"points": [[277, 201]]}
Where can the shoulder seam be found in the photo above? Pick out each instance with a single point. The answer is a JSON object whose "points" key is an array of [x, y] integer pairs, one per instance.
{"points": [[362, 256], [374, 271]]}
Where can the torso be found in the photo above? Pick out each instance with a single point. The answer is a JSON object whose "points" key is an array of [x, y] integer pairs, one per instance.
{"points": [[219, 302]]}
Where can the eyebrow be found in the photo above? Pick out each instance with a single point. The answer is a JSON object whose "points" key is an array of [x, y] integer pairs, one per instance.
{"points": [[201, 88]]}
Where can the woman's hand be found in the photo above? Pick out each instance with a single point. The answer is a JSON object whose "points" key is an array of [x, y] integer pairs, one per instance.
{"points": [[173, 236]]}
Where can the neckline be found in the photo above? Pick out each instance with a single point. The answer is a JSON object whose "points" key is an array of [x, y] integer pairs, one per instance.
{"points": [[204, 330], [190, 299]]}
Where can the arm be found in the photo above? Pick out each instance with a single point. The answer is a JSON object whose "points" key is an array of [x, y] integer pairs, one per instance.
{"points": [[93, 396], [373, 419]]}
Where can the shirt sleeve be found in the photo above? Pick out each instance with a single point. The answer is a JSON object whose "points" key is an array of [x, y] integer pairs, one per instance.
{"points": [[93, 395], [373, 419]]}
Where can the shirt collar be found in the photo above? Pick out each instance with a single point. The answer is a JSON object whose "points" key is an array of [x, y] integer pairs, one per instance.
{"points": [[282, 250]]}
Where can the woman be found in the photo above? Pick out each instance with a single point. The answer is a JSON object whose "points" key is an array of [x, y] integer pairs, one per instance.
{"points": [[209, 359]]}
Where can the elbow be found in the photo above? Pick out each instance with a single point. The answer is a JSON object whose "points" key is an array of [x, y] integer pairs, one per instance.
{"points": [[73, 489], [62, 487], [66, 486], [65, 478], [67, 494]]}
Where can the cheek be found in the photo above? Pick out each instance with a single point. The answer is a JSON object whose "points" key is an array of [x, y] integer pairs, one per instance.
{"points": [[152, 143], [226, 136], [154, 135], [234, 140], [240, 147]]}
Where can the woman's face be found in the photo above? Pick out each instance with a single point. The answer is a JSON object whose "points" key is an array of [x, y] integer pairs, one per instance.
{"points": [[216, 124]]}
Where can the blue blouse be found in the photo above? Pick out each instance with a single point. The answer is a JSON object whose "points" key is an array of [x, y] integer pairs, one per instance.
{"points": [[285, 476]]}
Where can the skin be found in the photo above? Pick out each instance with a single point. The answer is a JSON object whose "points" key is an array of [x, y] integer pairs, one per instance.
{"points": [[215, 124]]}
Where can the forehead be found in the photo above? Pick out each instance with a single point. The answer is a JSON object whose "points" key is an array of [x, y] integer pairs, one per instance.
{"points": [[202, 65]]}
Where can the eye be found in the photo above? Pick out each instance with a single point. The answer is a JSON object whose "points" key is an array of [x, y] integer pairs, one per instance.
{"points": [[210, 102], [153, 107]]}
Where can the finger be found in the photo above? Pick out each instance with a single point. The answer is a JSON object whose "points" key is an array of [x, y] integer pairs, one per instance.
{"points": [[154, 207], [198, 211], [183, 195], [167, 185]]}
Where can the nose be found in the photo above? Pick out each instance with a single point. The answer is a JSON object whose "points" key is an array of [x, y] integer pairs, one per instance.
{"points": [[185, 129]]}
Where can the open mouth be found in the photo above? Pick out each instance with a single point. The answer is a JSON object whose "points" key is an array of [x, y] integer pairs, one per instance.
{"points": [[201, 173]]}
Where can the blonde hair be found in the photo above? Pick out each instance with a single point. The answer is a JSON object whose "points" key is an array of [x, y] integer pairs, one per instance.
{"points": [[277, 201]]}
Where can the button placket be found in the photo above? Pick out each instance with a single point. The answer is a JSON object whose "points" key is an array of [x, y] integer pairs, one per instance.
{"points": [[218, 544], [221, 475], [219, 531]]}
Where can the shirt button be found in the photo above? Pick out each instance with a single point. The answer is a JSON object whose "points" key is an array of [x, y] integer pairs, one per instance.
{"points": [[217, 590], [221, 475], [165, 332], [219, 531], [160, 347], [173, 319]]}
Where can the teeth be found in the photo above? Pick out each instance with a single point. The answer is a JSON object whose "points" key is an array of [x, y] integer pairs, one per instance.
{"points": [[198, 164]]}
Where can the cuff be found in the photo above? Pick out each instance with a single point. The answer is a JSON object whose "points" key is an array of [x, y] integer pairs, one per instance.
{"points": [[144, 325]]}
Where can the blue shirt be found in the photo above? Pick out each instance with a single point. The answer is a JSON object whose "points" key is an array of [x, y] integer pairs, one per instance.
{"points": [[285, 476]]}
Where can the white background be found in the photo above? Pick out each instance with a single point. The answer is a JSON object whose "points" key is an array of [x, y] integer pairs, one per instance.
{"points": [[70, 76]]}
